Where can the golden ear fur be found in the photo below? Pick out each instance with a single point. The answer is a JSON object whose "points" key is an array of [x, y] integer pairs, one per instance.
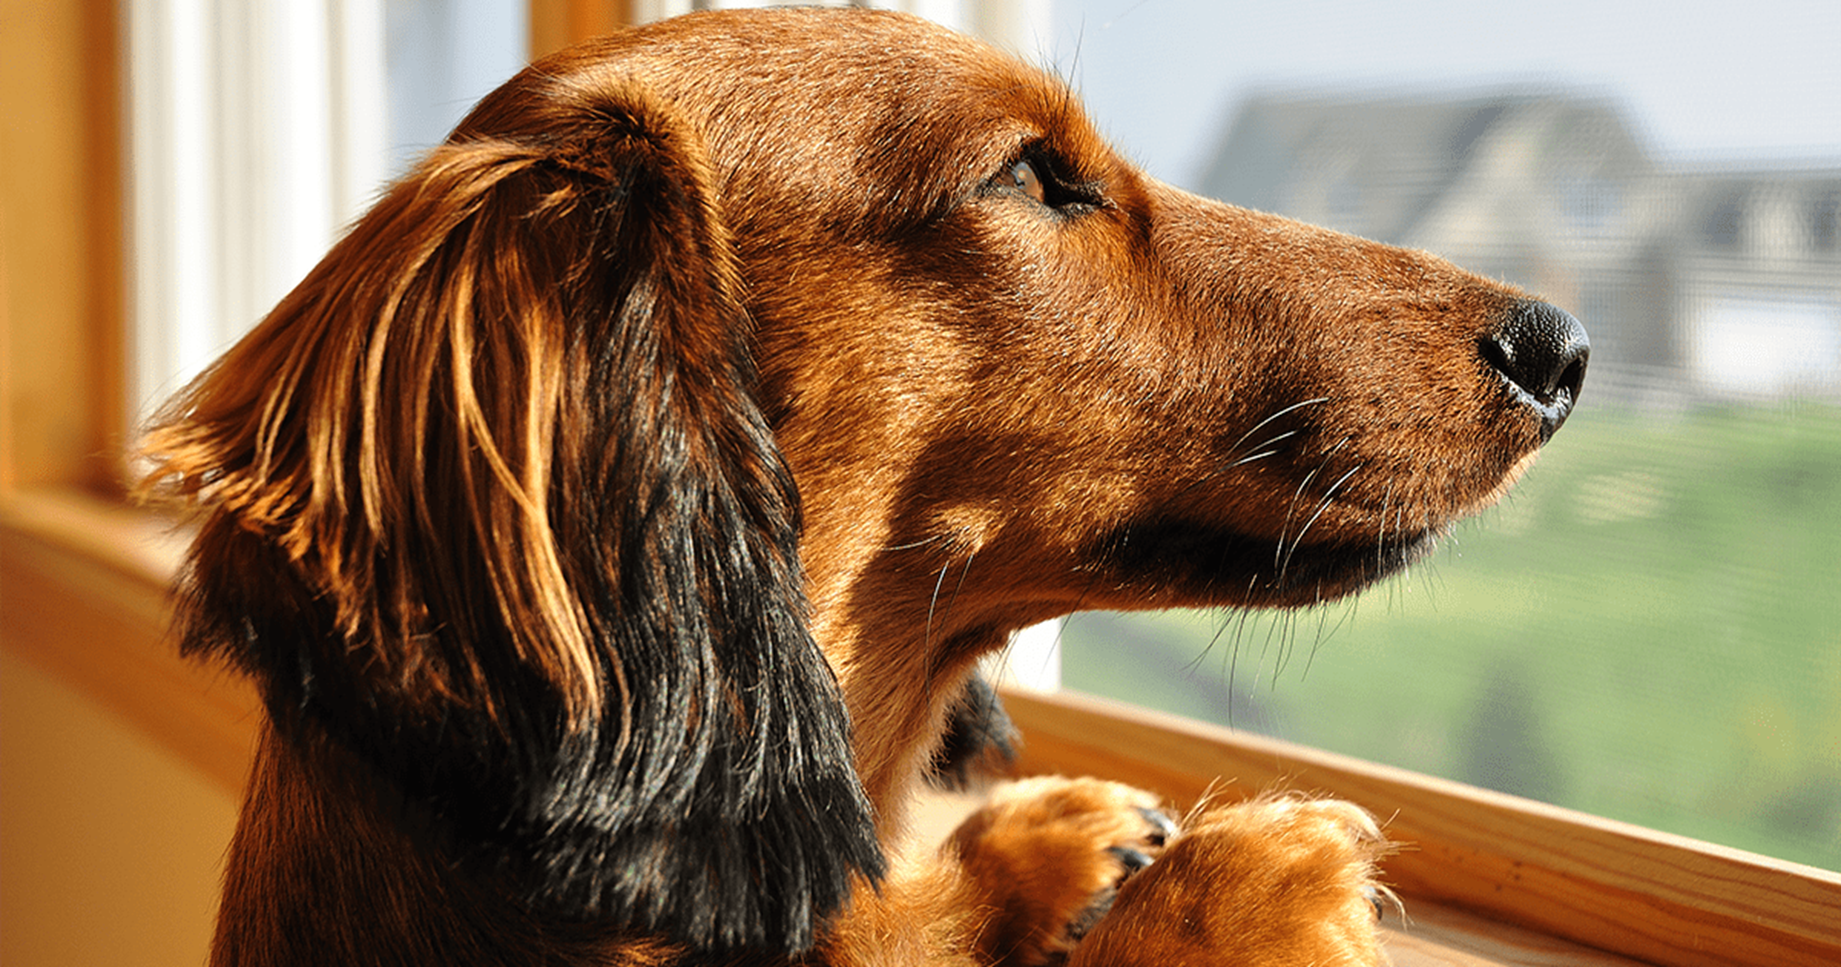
{"points": [[354, 421], [488, 500]]}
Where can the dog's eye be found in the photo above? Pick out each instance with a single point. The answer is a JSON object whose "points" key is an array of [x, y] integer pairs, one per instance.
{"points": [[1024, 177], [1037, 176]]}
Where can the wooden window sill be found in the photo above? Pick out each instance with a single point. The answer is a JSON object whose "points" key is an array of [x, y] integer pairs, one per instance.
{"points": [[83, 595], [1604, 885], [1487, 879]]}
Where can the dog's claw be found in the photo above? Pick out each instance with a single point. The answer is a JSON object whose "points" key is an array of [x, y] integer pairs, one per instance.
{"points": [[1131, 859], [1163, 828]]}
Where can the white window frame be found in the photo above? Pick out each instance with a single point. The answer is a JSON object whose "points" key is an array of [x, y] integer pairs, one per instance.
{"points": [[259, 129], [255, 133]]}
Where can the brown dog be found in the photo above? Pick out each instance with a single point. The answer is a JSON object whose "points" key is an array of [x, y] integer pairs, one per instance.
{"points": [[613, 518]]}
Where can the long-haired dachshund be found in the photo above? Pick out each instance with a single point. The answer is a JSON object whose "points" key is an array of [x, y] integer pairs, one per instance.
{"points": [[613, 519]]}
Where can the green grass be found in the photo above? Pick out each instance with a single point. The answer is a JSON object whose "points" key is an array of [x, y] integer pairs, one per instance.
{"points": [[1648, 629]]}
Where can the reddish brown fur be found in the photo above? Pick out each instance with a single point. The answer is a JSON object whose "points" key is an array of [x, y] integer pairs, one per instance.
{"points": [[1317, 856], [996, 411]]}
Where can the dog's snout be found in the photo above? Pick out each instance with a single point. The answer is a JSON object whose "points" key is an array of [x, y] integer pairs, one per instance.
{"points": [[1541, 350]]}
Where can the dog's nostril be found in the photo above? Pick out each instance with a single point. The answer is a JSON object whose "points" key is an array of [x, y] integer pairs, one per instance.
{"points": [[1540, 348], [1542, 351]]}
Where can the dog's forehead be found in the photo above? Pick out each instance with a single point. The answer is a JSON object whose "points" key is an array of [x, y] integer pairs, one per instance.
{"points": [[847, 57], [786, 96]]}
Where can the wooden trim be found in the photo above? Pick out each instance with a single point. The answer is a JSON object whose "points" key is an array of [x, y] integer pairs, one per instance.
{"points": [[83, 594], [62, 378], [107, 245], [556, 24], [1618, 888]]}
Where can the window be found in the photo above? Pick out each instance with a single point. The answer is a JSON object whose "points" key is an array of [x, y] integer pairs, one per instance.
{"points": [[1649, 628]]}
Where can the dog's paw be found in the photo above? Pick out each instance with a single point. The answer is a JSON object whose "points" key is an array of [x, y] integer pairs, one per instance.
{"points": [[1047, 857], [1277, 881]]}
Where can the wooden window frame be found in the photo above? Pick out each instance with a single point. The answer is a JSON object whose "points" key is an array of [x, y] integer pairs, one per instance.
{"points": [[1487, 878]]}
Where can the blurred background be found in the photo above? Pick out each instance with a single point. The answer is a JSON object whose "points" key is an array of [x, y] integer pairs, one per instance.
{"points": [[1648, 629]]}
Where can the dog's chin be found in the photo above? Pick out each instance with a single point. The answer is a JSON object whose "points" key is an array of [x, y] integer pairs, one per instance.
{"points": [[1208, 566]]}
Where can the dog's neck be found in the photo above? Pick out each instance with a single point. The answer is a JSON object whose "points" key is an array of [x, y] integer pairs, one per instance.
{"points": [[898, 729]]}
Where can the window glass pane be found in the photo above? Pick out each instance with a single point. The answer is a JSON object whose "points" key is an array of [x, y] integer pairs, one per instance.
{"points": [[1650, 627], [441, 56]]}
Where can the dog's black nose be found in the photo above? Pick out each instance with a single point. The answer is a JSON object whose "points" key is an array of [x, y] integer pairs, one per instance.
{"points": [[1541, 351]]}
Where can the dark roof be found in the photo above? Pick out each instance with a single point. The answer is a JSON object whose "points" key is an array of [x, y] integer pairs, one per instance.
{"points": [[1398, 154]]}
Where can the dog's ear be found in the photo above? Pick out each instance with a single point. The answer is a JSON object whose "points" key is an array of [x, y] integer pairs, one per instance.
{"points": [[489, 504]]}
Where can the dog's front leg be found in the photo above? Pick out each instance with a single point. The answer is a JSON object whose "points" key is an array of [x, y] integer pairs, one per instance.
{"points": [[1045, 858], [1016, 885]]}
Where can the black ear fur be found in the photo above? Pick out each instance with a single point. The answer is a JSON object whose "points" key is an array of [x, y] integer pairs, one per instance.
{"points": [[491, 505], [980, 741]]}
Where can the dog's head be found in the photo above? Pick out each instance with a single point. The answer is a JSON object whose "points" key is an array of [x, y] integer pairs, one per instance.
{"points": [[502, 496], [983, 335]]}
